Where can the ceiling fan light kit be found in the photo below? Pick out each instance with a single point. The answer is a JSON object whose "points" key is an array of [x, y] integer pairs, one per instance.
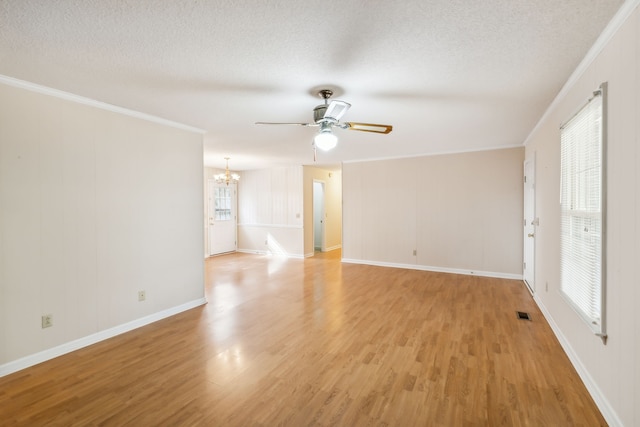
{"points": [[328, 115], [325, 140]]}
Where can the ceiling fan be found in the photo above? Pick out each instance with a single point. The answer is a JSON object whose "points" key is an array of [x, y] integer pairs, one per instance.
{"points": [[326, 116]]}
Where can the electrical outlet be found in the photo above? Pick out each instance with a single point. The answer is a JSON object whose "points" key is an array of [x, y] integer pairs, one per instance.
{"points": [[142, 295], [47, 321], [415, 252]]}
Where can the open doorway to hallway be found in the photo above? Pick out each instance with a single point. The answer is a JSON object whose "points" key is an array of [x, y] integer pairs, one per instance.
{"points": [[319, 214]]}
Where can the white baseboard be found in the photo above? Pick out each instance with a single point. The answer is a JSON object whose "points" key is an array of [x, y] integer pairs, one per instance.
{"points": [[601, 401], [257, 252], [252, 251], [436, 269], [43, 356], [294, 256]]}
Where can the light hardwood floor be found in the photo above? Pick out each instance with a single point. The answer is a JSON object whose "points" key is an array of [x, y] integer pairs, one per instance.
{"points": [[317, 343]]}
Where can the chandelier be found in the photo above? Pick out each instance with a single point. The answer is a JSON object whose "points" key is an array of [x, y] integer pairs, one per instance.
{"points": [[226, 177]]}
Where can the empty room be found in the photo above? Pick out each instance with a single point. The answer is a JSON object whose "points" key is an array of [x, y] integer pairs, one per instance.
{"points": [[231, 213]]}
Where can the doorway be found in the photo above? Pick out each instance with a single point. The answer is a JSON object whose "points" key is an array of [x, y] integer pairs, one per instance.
{"points": [[530, 223], [318, 216], [222, 217]]}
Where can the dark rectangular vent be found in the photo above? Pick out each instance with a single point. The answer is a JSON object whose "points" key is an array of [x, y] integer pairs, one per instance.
{"points": [[523, 316]]}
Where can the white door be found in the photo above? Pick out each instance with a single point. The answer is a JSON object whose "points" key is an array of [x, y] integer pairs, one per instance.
{"points": [[318, 216], [222, 218], [530, 222]]}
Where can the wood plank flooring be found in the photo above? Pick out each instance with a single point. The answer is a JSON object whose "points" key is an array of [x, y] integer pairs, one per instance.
{"points": [[318, 343]]}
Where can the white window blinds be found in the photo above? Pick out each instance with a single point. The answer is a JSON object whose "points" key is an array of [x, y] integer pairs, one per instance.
{"points": [[582, 206]]}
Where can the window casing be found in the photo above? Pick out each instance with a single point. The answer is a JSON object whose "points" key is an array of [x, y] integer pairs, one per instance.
{"points": [[583, 208]]}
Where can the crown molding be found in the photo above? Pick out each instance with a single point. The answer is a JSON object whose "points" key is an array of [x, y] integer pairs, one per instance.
{"points": [[625, 11], [10, 81], [439, 153]]}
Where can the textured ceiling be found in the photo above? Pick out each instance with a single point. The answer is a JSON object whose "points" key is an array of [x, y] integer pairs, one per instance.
{"points": [[449, 75]]}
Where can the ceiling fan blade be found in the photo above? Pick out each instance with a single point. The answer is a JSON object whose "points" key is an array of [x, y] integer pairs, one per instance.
{"points": [[336, 109], [369, 127], [278, 123]]}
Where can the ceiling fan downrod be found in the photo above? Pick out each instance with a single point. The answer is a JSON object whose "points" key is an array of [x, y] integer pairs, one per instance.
{"points": [[325, 94], [320, 110]]}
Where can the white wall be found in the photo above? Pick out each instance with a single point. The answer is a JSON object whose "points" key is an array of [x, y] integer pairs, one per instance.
{"points": [[270, 211], [333, 207], [94, 206], [611, 371], [459, 212]]}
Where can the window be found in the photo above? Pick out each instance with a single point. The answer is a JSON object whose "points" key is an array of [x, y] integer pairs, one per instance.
{"points": [[222, 203], [582, 207]]}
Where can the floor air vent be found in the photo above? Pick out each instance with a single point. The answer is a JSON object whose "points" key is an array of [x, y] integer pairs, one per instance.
{"points": [[523, 316]]}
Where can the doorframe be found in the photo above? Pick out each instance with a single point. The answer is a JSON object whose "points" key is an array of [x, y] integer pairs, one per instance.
{"points": [[529, 196], [323, 226]]}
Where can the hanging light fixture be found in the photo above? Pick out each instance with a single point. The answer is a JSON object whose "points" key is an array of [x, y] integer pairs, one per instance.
{"points": [[226, 177], [325, 139]]}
